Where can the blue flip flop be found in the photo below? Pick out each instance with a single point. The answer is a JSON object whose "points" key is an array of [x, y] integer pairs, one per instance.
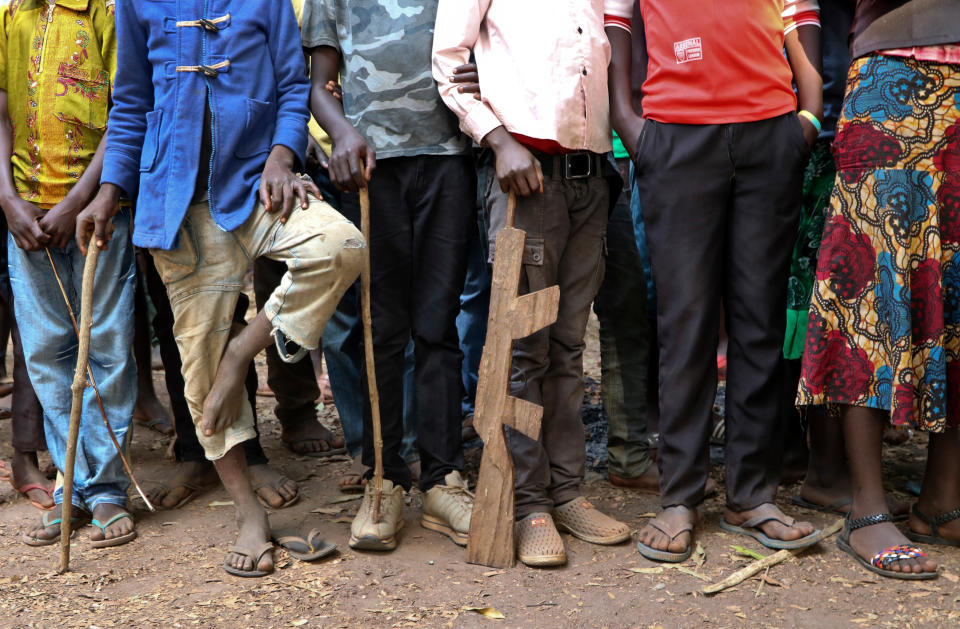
{"points": [[76, 522], [113, 541], [768, 512]]}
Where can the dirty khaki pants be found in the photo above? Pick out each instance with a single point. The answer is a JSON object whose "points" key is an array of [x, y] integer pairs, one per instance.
{"points": [[204, 277]]}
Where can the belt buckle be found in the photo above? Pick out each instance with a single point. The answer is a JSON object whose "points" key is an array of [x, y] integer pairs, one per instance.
{"points": [[577, 165]]}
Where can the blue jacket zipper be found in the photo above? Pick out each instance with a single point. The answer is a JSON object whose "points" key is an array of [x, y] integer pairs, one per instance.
{"points": [[206, 80]]}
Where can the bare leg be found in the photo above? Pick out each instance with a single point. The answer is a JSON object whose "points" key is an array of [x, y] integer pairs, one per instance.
{"points": [[828, 478], [941, 487], [254, 529], [148, 410], [26, 471], [863, 433], [186, 478], [222, 406]]}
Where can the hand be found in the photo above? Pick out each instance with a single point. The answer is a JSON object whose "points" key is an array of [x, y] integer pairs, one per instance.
{"points": [[336, 89], [518, 171], [280, 187], [60, 222], [352, 162], [469, 79], [97, 218], [316, 156], [23, 222], [810, 133]]}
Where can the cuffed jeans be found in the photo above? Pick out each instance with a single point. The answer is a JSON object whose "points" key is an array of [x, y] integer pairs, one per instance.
{"points": [[204, 277], [50, 347], [566, 227]]}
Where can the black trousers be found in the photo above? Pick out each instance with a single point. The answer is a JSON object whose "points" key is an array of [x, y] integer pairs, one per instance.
{"points": [[421, 208], [721, 207]]}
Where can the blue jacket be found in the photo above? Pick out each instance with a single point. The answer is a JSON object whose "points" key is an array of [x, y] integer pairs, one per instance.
{"points": [[258, 99]]}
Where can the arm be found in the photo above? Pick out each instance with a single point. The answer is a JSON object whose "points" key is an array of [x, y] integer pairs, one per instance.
{"points": [[21, 216], [802, 42], [352, 160], [60, 221], [132, 99], [624, 119], [280, 187]]}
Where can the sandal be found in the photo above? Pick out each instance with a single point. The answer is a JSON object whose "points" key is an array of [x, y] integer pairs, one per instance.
{"points": [[256, 557], [76, 521], [308, 547], [934, 523], [160, 425], [331, 451], [49, 489], [667, 556], [113, 541], [770, 513], [878, 564]]}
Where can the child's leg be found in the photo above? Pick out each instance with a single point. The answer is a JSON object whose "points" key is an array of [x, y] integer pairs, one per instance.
{"points": [[323, 252]]}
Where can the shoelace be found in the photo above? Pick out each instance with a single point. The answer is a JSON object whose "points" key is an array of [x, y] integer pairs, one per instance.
{"points": [[461, 493]]}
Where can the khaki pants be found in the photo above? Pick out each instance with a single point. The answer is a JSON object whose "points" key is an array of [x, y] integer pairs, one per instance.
{"points": [[204, 276]]}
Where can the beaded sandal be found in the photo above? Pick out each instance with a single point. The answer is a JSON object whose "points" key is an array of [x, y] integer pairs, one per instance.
{"points": [[934, 523], [878, 563]]}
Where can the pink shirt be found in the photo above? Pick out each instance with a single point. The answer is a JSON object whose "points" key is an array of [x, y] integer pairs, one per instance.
{"points": [[542, 64]]}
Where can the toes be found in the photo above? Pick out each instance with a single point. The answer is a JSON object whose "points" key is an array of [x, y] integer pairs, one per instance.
{"points": [[173, 497], [266, 562], [270, 496]]}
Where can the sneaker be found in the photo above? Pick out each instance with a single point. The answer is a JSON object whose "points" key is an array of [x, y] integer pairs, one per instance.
{"points": [[538, 542], [365, 534], [447, 508], [581, 519]]}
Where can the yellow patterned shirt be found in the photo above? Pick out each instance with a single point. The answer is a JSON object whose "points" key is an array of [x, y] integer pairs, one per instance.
{"points": [[57, 62], [318, 134]]}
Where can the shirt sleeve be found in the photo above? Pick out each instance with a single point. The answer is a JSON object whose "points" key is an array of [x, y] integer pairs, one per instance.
{"points": [[797, 13], [618, 13], [293, 85], [132, 100], [319, 24], [4, 27], [456, 33]]}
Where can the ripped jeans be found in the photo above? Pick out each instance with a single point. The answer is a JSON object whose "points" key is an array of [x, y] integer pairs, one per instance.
{"points": [[204, 275]]}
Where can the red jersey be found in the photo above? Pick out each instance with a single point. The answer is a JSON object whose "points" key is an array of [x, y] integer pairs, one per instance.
{"points": [[719, 61]]}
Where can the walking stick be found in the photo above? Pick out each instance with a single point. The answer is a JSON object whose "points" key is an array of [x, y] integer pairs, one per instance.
{"points": [[76, 410], [368, 353]]}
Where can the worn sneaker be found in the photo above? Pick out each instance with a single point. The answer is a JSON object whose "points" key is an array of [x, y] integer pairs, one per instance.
{"points": [[538, 542], [365, 534], [581, 519], [447, 508]]}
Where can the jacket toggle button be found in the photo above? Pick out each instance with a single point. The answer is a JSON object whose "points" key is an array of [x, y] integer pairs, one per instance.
{"points": [[208, 71]]}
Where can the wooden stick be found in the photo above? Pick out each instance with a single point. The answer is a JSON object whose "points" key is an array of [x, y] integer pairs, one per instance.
{"points": [[761, 564], [96, 391], [368, 353], [76, 411]]}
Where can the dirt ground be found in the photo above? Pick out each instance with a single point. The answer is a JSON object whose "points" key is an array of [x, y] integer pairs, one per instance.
{"points": [[171, 575]]}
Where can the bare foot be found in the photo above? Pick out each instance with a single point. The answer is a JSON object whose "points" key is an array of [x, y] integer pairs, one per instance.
{"points": [[870, 540], [771, 528], [103, 513], [838, 500], [151, 413], [310, 438], [24, 472], [671, 519], [188, 478], [254, 531], [42, 534], [273, 489], [224, 401]]}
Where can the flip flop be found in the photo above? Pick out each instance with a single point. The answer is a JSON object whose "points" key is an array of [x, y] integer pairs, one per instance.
{"points": [[113, 541], [256, 557], [47, 490], [667, 556], [274, 486], [316, 455], [934, 523], [153, 422], [885, 557], [305, 548], [770, 513], [76, 521]]}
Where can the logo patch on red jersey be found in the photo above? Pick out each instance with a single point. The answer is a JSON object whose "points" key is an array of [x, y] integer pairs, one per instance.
{"points": [[688, 50]]}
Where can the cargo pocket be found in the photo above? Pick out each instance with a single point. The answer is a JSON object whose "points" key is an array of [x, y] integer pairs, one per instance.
{"points": [[151, 140], [257, 132], [82, 96]]}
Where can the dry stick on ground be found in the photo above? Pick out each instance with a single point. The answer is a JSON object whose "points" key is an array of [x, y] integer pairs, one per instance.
{"points": [[758, 566], [96, 391], [76, 410], [368, 353]]}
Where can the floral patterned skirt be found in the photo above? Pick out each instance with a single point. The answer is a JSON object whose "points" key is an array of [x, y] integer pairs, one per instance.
{"points": [[884, 324]]}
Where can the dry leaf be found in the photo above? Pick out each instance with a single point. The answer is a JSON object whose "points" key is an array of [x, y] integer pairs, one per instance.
{"points": [[342, 520], [221, 503], [298, 623], [692, 573], [699, 556], [493, 573], [324, 511], [340, 499], [656, 570], [647, 515], [489, 612], [949, 576]]}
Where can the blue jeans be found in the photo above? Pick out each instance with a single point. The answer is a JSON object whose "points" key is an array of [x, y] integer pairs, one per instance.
{"points": [[472, 320], [50, 347], [640, 232]]}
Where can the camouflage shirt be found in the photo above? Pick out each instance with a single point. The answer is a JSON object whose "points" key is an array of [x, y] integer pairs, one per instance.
{"points": [[389, 94]]}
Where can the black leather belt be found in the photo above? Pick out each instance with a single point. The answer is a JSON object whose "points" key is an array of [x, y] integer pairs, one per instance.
{"points": [[579, 165]]}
